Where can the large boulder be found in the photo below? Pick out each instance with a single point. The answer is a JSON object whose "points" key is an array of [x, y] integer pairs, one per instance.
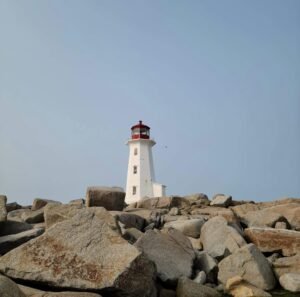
{"points": [[220, 239], [263, 218], [171, 251], [110, 198], [12, 241], [164, 202], [189, 288], [83, 253], [286, 265], [27, 216], [250, 264], [55, 213], [190, 228], [154, 216], [290, 282], [221, 200], [8, 288], [213, 211], [284, 241], [130, 220], [39, 203], [31, 292], [12, 206], [3, 211], [198, 199]]}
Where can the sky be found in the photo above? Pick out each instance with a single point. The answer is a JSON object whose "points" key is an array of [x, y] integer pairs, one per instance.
{"points": [[217, 81]]}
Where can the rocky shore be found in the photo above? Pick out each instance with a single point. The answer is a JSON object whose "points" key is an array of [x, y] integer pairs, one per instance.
{"points": [[189, 246]]}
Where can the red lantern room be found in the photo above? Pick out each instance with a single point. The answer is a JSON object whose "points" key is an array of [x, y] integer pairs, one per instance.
{"points": [[140, 131]]}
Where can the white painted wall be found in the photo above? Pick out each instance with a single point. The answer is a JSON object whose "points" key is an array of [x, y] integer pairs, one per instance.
{"points": [[144, 179]]}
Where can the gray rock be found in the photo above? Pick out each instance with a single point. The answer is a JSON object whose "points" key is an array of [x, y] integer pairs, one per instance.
{"points": [[27, 216], [151, 216], [286, 265], [275, 240], [83, 253], [221, 200], [213, 211], [250, 264], [164, 202], [130, 220], [39, 203], [12, 241], [9, 289], [109, 198], [12, 206], [196, 243], [56, 213], [190, 228], [31, 292], [208, 264], [172, 253], [200, 278], [3, 211], [188, 288], [281, 225], [198, 199], [219, 239], [167, 293], [79, 201], [290, 282], [12, 227]]}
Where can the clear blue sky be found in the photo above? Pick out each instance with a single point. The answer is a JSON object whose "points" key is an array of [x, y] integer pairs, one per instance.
{"points": [[217, 81]]}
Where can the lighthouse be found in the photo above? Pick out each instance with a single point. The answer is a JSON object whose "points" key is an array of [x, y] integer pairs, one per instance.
{"points": [[140, 175]]}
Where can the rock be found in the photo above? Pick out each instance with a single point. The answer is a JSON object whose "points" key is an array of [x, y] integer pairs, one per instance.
{"points": [[163, 202], [12, 241], [30, 292], [168, 218], [3, 211], [174, 211], [213, 211], [79, 201], [273, 257], [190, 228], [241, 210], [237, 287], [188, 288], [167, 293], [204, 262], [151, 216], [221, 200], [109, 198], [284, 241], [9, 289], [39, 203], [200, 278], [130, 220], [281, 225], [12, 227], [26, 215], [83, 253], [196, 243], [250, 264], [263, 218], [132, 235], [220, 239], [290, 282], [198, 199], [55, 213], [287, 265], [172, 253], [12, 206]]}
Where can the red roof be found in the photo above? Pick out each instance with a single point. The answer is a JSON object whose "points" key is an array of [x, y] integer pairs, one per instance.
{"points": [[140, 125]]}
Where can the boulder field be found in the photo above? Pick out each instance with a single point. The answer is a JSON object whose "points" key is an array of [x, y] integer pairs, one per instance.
{"points": [[173, 246]]}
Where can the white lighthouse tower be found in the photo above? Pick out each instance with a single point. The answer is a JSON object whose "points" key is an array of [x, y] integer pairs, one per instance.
{"points": [[140, 175]]}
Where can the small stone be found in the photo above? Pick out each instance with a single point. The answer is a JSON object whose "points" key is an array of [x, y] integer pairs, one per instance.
{"points": [[290, 282], [39, 203], [200, 278], [221, 200]]}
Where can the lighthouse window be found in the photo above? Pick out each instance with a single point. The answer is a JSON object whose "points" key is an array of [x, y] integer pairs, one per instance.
{"points": [[133, 190], [134, 169], [135, 151]]}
